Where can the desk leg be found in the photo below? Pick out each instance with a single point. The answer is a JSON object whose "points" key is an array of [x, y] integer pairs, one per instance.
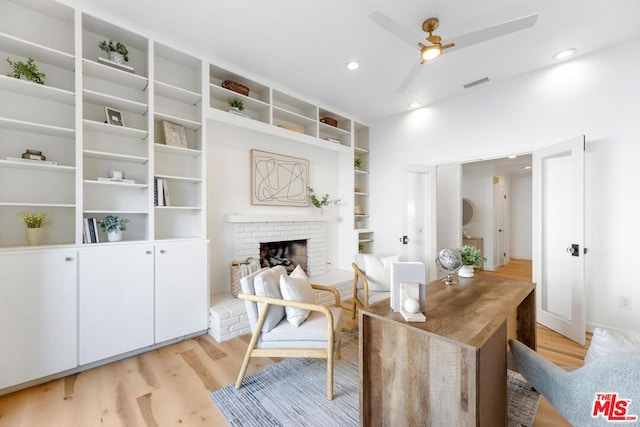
{"points": [[527, 321]]}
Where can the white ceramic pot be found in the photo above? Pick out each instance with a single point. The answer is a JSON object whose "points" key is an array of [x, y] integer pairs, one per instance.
{"points": [[114, 235], [34, 236], [116, 57], [466, 271]]}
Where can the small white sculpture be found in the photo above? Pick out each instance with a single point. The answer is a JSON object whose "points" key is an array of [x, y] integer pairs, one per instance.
{"points": [[411, 305]]}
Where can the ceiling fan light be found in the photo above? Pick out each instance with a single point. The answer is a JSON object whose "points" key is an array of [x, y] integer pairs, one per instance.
{"points": [[430, 52]]}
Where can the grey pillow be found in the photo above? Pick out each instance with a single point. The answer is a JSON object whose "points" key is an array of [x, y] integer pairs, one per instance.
{"points": [[267, 284]]}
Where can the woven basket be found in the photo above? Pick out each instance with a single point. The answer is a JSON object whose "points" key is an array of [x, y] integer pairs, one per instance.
{"points": [[236, 87], [329, 121], [239, 270]]}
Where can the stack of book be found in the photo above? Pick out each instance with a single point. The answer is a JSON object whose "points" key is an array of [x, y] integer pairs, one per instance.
{"points": [[91, 231], [160, 192]]}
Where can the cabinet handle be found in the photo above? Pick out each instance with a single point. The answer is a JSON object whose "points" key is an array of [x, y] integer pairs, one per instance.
{"points": [[68, 258], [149, 252], [162, 251]]}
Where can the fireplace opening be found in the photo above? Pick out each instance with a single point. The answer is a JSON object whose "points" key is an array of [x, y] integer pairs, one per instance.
{"points": [[288, 254]]}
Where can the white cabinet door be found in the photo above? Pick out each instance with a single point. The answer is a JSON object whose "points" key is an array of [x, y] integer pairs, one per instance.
{"points": [[38, 314], [116, 300], [182, 298]]}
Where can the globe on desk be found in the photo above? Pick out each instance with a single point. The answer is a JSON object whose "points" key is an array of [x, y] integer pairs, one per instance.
{"points": [[450, 260]]}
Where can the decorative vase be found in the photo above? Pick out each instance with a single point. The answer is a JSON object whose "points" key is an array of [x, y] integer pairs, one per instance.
{"points": [[466, 271], [114, 235], [116, 57], [34, 236]]}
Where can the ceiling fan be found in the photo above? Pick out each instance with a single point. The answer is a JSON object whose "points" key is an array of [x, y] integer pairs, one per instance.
{"points": [[435, 47]]}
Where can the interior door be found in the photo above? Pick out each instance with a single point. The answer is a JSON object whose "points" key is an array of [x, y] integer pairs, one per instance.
{"points": [[420, 244], [501, 232], [558, 237]]}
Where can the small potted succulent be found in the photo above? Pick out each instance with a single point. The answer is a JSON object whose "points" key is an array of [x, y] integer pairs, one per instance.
{"points": [[29, 70], [357, 162], [471, 257], [34, 223], [113, 225], [236, 104], [116, 51]]}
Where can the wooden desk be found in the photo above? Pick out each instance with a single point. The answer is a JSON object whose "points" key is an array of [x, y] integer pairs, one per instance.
{"points": [[450, 370]]}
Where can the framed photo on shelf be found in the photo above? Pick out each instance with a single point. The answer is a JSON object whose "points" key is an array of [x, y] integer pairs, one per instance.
{"points": [[114, 117], [174, 135]]}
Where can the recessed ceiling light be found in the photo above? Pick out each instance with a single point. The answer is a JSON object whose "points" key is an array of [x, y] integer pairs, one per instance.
{"points": [[352, 65], [512, 157], [564, 53], [415, 104], [526, 167]]}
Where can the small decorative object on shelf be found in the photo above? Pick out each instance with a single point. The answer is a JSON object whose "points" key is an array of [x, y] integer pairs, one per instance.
{"points": [[32, 154], [332, 139], [116, 51], [236, 87], [357, 210], [236, 104], [34, 221], [114, 117], [174, 134], [113, 225], [329, 121], [29, 70], [320, 203], [116, 175], [471, 257], [357, 162]]}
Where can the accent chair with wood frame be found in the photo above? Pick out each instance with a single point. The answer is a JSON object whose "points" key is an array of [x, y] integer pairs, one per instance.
{"points": [[317, 337], [371, 279]]}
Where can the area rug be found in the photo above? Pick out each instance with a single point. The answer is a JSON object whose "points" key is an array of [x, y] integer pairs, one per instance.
{"points": [[293, 393]]}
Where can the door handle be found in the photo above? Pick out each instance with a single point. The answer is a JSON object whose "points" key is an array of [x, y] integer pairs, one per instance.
{"points": [[404, 240], [574, 249]]}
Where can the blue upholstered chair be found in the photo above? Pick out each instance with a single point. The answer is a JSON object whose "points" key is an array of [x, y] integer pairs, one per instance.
{"points": [[573, 393]]}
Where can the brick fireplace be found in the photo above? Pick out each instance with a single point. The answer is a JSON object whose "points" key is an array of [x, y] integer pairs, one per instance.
{"points": [[249, 231]]}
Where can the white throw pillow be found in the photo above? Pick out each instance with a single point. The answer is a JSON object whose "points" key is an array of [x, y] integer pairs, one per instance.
{"points": [[378, 271], [606, 341], [297, 287], [267, 284]]}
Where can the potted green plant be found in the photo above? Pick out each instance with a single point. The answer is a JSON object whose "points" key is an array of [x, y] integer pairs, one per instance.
{"points": [[320, 202], [113, 225], [28, 69], [357, 162], [116, 51], [471, 257], [34, 223], [236, 104]]}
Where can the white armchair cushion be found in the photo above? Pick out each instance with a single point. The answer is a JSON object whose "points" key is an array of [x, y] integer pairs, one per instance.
{"points": [[311, 334], [606, 341], [296, 287], [378, 271], [267, 284]]}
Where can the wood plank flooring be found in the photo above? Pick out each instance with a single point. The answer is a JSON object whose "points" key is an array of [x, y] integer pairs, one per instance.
{"points": [[170, 386]]}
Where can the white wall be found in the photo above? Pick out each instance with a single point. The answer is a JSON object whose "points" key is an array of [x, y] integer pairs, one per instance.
{"points": [[520, 207], [477, 186], [596, 95], [228, 189]]}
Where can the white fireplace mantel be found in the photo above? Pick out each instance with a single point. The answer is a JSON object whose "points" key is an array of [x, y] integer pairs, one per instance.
{"points": [[247, 218]]}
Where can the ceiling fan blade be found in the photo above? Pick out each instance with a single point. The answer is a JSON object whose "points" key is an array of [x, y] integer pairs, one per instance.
{"points": [[411, 75], [489, 33], [395, 28]]}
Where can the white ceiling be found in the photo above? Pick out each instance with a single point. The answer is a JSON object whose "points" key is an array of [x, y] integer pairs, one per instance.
{"points": [[301, 47]]}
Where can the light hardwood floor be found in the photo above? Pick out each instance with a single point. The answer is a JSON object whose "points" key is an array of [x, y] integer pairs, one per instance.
{"points": [[171, 386]]}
